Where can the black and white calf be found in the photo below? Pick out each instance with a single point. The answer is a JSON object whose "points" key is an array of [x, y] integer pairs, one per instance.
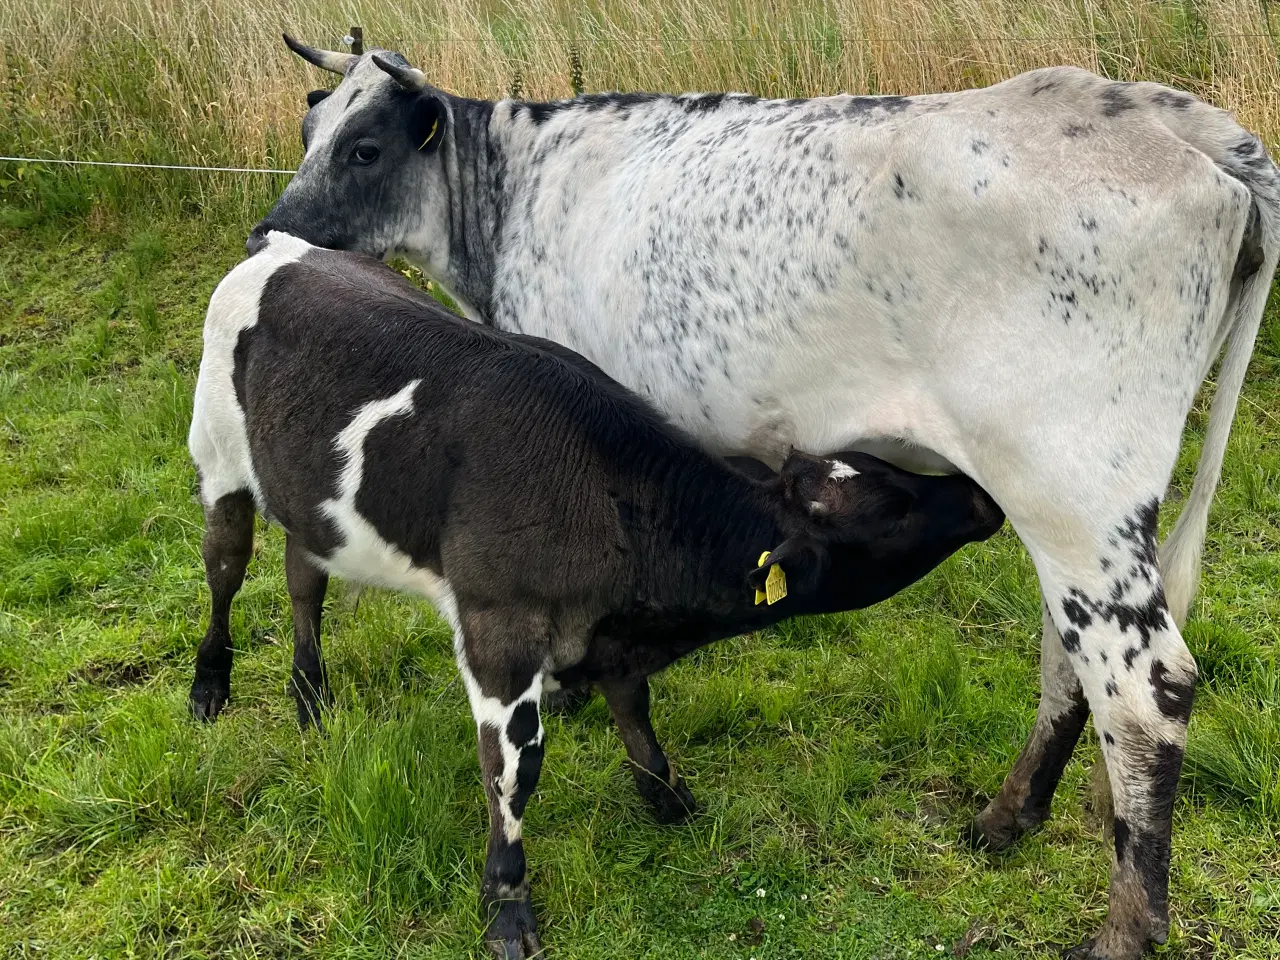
{"points": [[567, 533], [1026, 283]]}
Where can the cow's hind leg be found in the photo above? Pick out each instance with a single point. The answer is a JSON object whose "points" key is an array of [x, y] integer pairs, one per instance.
{"points": [[309, 682], [1026, 795], [656, 779], [503, 672], [1139, 679], [226, 548]]}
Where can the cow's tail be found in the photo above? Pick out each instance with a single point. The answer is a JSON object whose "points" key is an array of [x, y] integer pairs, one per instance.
{"points": [[1246, 160]]}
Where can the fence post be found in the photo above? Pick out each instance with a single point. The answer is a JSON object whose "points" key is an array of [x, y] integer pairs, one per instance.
{"points": [[357, 40]]}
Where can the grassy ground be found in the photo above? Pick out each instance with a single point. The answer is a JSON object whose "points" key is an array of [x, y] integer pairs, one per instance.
{"points": [[836, 758]]}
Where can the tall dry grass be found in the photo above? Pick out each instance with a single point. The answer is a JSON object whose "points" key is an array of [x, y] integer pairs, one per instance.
{"points": [[210, 82]]}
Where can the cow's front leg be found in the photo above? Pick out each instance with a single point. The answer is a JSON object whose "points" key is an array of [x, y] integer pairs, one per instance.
{"points": [[656, 779], [504, 698], [1025, 797]]}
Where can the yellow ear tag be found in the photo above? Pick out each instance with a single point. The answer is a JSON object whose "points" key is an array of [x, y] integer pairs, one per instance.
{"points": [[435, 123], [775, 584]]}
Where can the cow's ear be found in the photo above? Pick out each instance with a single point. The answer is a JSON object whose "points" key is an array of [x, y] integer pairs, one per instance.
{"points": [[315, 96], [802, 559], [427, 120]]}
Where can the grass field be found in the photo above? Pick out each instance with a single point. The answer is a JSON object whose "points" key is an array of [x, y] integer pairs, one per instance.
{"points": [[836, 758]]}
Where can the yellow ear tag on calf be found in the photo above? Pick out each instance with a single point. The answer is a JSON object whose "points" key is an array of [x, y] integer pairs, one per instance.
{"points": [[775, 584]]}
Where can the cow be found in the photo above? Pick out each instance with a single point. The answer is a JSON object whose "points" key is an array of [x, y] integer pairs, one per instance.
{"points": [[566, 532], [1024, 283]]}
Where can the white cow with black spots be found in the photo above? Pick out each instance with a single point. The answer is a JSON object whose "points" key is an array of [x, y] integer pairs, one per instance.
{"points": [[1026, 283]]}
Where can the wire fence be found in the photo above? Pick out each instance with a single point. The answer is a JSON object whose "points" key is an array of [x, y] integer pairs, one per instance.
{"points": [[576, 44]]}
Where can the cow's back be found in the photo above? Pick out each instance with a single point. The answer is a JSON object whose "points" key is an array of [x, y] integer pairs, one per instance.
{"points": [[793, 272]]}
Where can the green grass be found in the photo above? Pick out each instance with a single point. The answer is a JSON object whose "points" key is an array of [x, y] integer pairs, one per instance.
{"points": [[836, 758]]}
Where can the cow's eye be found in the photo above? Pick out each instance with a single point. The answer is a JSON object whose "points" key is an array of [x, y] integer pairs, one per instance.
{"points": [[365, 153]]}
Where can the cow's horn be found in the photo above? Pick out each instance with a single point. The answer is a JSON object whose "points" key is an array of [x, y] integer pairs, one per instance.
{"points": [[411, 78], [338, 63]]}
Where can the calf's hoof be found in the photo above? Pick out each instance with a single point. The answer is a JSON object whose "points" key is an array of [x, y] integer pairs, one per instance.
{"points": [[311, 707], [208, 697], [670, 802], [512, 932]]}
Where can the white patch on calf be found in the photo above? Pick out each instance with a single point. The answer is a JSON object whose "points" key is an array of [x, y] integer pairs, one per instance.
{"points": [[841, 470], [492, 712], [364, 554], [218, 442]]}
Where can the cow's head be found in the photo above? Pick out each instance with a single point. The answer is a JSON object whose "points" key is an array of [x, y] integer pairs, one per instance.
{"points": [[372, 153]]}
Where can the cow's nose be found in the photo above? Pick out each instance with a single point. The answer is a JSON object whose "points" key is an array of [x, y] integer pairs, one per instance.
{"points": [[257, 240]]}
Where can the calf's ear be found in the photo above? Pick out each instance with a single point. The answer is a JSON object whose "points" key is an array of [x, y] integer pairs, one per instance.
{"points": [[428, 117], [315, 96], [802, 559]]}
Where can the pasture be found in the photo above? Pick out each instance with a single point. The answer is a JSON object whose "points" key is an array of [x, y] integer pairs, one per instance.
{"points": [[836, 759]]}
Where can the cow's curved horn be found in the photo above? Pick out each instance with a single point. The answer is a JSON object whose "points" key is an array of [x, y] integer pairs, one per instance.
{"points": [[329, 60], [411, 78]]}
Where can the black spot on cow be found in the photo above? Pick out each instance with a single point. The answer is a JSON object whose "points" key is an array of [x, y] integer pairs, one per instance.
{"points": [[1171, 98], [1116, 100], [1075, 611], [1121, 829], [899, 186], [1165, 771], [1111, 688], [1173, 697], [1129, 656], [523, 725], [527, 770], [1111, 741], [1044, 86], [1074, 130], [1071, 640], [979, 146], [860, 106]]}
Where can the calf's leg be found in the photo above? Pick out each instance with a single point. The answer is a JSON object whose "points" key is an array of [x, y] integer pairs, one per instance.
{"points": [[1026, 795], [226, 548], [504, 685], [656, 779], [309, 682]]}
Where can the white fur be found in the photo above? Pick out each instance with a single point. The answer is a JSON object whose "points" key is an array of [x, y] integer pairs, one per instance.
{"points": [[841, 470], [217, 439]]}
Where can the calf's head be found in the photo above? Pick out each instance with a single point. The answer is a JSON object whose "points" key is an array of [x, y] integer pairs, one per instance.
{"points": [[872, 529], [372, 160]]}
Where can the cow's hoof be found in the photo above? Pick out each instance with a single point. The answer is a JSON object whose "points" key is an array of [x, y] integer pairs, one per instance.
{"points": [[566, 701], [512, 933], [669, 803], [1084, 951], [208, 697], [1116, 943], [992, 831]]}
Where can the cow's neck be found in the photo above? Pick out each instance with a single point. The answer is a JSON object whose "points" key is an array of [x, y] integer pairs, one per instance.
{"points": [[474, 167], [704, 529]]}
